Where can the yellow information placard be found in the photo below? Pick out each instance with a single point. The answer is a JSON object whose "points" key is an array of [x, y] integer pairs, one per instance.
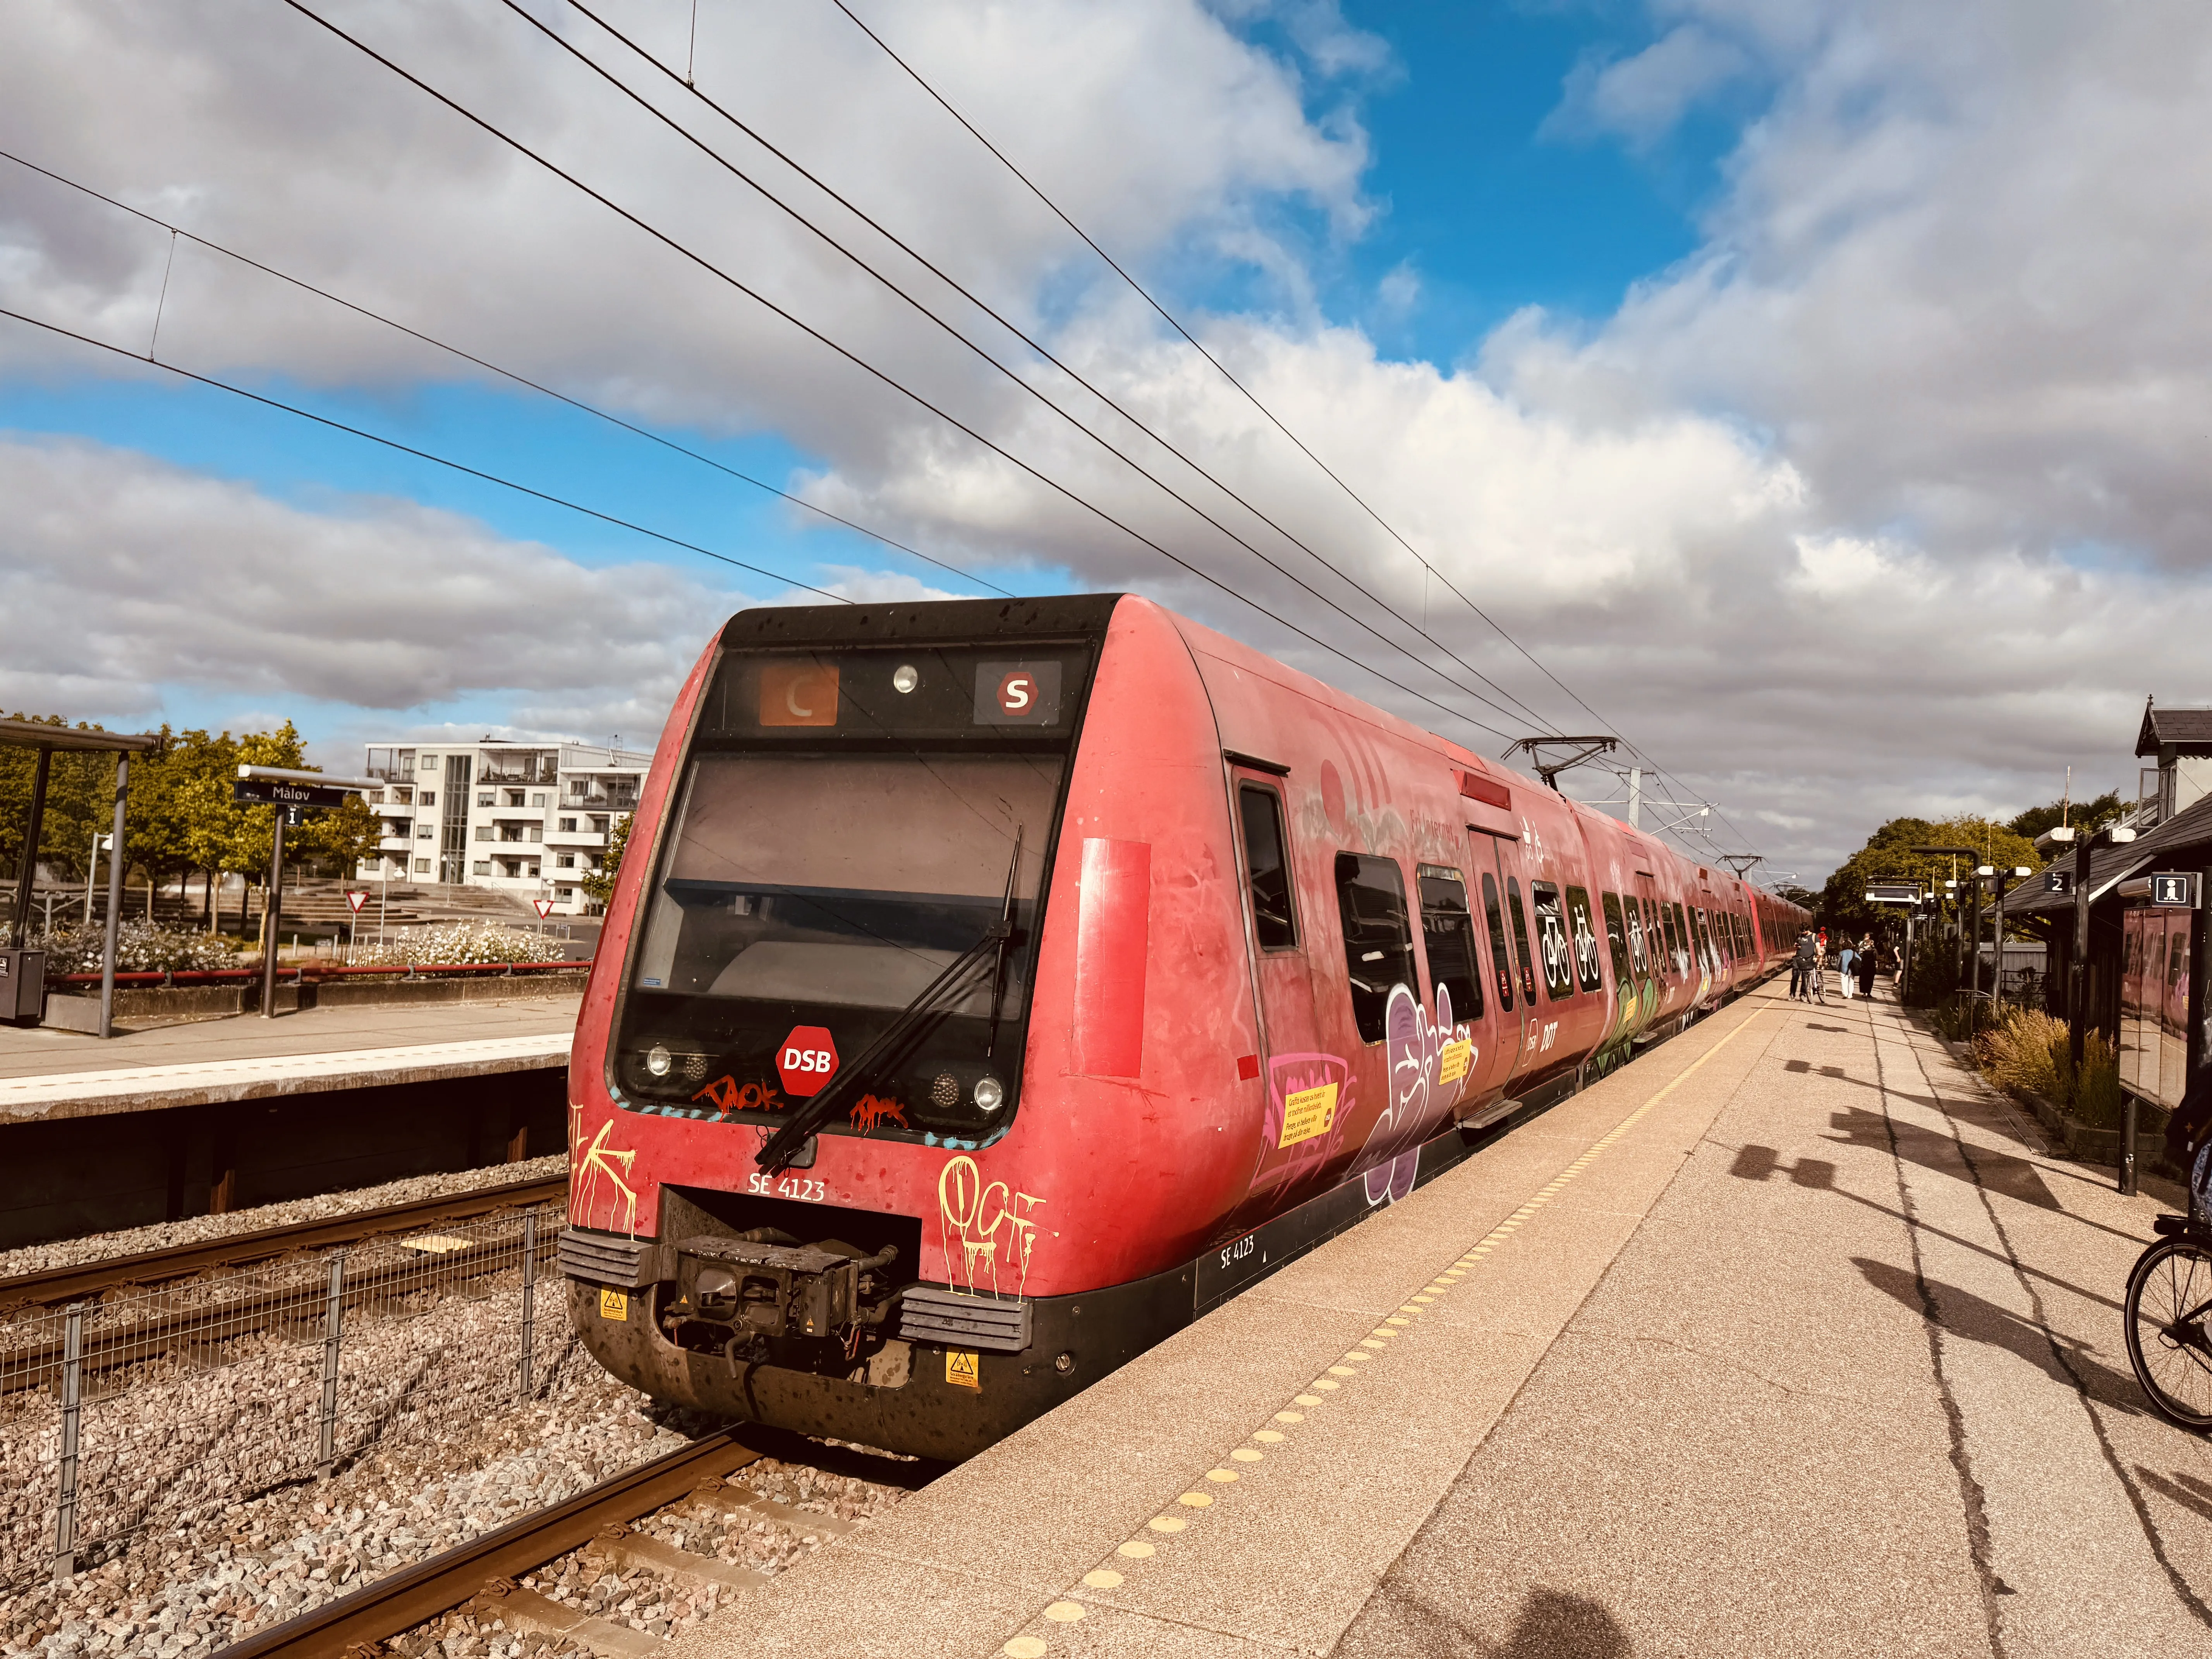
{"points": [[614, 1304], [1453, 1059], [1307, 1113], [962, 1369]]}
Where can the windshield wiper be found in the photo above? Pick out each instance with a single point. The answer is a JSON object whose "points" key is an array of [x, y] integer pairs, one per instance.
{"points": [[781, 1148], [1005, 937]]}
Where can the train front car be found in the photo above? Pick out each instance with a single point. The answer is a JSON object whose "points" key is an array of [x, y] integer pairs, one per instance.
{"points": [[991, 988], [958, 872]]}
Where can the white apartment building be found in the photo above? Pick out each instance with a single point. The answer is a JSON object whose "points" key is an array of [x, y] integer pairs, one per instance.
{"points": [[529, 818]]}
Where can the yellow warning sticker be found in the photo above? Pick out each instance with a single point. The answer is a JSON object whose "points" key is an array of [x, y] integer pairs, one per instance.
{"points": [[614, 1304], [962, 1370], [1453, 1059], [1307, 1113]]}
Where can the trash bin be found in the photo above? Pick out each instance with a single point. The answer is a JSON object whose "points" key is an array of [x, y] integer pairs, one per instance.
{"points": [[22, 985]]}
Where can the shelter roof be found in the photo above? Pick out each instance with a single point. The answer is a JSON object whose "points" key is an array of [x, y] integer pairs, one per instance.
{"points": [[2188, 730], [2108, 866], [46, 736]]}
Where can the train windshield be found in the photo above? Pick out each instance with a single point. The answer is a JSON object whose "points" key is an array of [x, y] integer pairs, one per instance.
{"points": [[849, 826]]}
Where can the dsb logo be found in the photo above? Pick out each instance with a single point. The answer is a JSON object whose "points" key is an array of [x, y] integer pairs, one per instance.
{"points": [[807, 1060]]}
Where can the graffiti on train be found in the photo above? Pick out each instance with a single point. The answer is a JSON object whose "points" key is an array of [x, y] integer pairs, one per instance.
{"points": [[985, 1230]]}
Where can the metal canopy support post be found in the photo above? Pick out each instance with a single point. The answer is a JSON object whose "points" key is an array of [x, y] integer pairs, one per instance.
{"points": [[27, 870], [2077, 966], [271, 910], [115, 861]]}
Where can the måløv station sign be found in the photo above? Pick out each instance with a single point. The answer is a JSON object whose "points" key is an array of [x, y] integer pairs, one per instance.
{"points": [[276, 792]]}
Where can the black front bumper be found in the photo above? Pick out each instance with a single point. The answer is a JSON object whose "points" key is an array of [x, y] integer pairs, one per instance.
{"points": [[925, 1398]]}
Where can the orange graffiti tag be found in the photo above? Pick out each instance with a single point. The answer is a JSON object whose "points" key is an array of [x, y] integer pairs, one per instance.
{"points": [[727, 1096], [873, 1110]]}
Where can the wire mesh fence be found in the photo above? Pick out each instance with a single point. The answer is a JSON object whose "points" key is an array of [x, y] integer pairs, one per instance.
{"points": [[153, 1408]]}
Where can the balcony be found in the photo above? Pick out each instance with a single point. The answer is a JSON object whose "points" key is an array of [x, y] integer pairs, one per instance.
{"points": [[575, 838]]}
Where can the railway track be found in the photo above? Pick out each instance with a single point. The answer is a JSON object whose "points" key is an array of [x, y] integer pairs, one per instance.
{"points": [[484, 1571], [54, 1287]]}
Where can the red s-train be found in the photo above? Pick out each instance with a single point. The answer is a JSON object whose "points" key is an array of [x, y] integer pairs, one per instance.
{"points": [[990, 989]]}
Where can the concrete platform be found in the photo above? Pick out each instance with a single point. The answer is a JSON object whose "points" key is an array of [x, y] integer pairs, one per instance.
{"points": [[47, 1074], [1788, 1339]]}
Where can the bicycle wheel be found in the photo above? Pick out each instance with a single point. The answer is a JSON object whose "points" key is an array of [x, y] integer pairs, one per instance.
{"points": [[2169, 1300]]}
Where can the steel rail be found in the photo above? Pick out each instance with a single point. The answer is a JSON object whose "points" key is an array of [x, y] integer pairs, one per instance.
{"points": [[52, 1286], [404, 1599]]}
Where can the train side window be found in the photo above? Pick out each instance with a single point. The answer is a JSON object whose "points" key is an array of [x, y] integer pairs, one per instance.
{"points": [[1681, 923], [1584, 936], [1447, 935], [1674, 943], [1519, 912], [1267, 868], [1616, 936], [1501, 957], [1378, 942]]}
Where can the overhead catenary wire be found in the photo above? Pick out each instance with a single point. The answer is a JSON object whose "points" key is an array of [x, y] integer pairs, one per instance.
{"points": [[436, 460], [521, 379], [1173, 322], [1042, 351], [888, 380]]}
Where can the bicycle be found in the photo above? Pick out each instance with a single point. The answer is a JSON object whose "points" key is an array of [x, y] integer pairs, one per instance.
{"points": [[2169, 1303]]}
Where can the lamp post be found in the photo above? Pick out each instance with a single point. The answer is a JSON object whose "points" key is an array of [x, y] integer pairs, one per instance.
{"points": [[2077, 961], [1962, 853], [2017, 872]]}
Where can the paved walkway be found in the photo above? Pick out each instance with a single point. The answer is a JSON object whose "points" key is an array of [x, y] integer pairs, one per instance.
{"points": [[52, 1074], [1788, 1339]]}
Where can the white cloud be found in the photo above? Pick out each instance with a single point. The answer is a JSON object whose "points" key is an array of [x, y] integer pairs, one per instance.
{"points": [[120, 575], [1643, 95]]}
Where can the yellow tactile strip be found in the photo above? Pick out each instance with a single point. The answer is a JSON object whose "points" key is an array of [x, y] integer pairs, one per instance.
{"points": [[1189, 1508]]}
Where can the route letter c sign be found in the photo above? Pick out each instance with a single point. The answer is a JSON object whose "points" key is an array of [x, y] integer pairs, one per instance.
{"points": [[807, 1059]]}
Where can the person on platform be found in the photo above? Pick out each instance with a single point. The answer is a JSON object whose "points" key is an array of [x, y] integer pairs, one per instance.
{"points": [[1867, 963], [1803, 967], [1847, 962]]}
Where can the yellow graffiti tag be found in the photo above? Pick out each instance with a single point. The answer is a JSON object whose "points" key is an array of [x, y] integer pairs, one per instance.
{"points": [[983, 1219]]}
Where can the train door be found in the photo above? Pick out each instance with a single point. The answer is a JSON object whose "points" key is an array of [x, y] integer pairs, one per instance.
{"points": [[1295, 1072], [1449, 930], [1505, 924]]}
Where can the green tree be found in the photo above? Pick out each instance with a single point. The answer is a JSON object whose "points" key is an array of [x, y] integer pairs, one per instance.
{"points": [[2086, 816], [1888, 856], [599, 885]]}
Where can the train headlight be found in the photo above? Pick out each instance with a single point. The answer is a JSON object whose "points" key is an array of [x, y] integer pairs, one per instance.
{"points": [[659, 1060], [990, 1094], [905, 678]]}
